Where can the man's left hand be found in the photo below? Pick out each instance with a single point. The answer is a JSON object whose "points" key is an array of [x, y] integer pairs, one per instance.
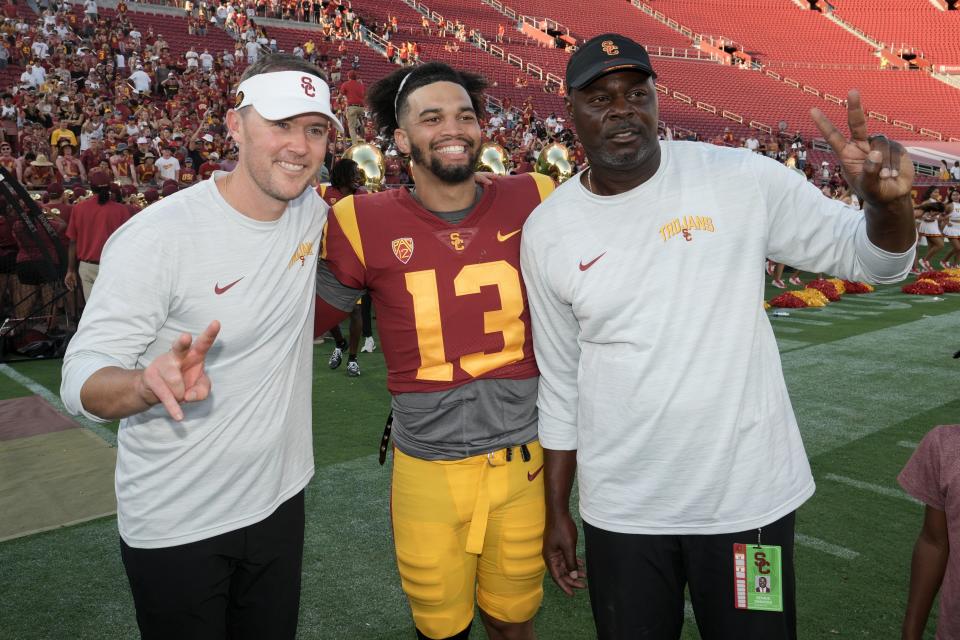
{"points": [[879, 170]]}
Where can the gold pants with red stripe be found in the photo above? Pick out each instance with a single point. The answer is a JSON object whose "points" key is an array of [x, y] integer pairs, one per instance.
{"points": [[468, 530]]}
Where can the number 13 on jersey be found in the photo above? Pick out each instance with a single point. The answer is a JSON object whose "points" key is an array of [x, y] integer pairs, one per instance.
{"points": [[507, 320]]}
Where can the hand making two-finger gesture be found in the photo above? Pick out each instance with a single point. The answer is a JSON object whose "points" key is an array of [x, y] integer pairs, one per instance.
{"points": [[877, 169], [178, 375]]}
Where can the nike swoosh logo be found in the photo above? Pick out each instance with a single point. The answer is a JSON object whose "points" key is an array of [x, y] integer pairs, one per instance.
{"points": [[217, 289], [584, 267], [503, 238], [532, 476]]}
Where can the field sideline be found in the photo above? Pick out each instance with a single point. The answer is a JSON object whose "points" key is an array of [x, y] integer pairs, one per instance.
{"points": [[868, 377]]}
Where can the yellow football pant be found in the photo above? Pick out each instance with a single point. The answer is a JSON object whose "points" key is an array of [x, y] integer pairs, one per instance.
{"points": [[469, 526]]}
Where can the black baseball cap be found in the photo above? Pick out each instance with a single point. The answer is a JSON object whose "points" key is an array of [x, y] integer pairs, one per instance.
{"points": [[603, 54]]}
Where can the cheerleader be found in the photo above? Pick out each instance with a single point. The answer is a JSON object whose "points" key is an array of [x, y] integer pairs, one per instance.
{"points": [[951, 229], [930, 211]]}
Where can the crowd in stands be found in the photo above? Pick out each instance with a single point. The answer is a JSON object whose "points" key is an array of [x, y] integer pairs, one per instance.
{"points": [[96, 92]]}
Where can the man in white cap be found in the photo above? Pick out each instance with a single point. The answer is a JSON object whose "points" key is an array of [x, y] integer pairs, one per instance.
{"points": [[210, 476], [141, 80]]}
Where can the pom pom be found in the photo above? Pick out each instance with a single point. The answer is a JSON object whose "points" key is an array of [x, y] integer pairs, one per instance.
{"points": [[857, 287], [923, 288], [826, 287]]}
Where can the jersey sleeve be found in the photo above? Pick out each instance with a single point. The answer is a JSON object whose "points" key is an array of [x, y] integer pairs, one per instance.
{"points": [[342, 248], [545, 185]]}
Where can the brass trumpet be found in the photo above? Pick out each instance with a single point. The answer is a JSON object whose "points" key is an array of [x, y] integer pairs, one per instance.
{"points": [[554, 161], [493, 158], [370, 161]]}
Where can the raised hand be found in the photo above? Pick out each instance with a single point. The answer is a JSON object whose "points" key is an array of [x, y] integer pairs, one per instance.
{"points": [[178, 375], [877, 169]]}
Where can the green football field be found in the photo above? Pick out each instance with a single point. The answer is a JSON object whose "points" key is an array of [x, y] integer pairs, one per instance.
{"points": [[868, 376]]}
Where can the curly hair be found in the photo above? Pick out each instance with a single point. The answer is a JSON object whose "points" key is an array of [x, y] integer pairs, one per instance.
{"points": [[343, 174], [387, 98]]}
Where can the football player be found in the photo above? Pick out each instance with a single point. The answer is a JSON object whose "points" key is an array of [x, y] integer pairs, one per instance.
{"points": [[442, 264]]}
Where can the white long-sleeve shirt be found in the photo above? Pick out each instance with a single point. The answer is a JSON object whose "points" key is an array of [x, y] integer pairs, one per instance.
{"points": [[173, 268], [657, 361]]}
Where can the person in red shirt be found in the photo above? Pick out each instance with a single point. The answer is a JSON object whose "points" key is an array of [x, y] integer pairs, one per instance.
{"points": [[355, 93], [92, 222], [188, 175], [212, 164], [147, 170], [93, 155]]}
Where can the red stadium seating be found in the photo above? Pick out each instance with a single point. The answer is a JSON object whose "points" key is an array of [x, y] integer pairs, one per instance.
{"points": [[910, 24], [588, 19], [793, 35], [500, 73]]}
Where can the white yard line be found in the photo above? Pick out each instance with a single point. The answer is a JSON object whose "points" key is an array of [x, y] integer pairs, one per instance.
{"points": [[907, 444], [825, 547], [873, 488]]}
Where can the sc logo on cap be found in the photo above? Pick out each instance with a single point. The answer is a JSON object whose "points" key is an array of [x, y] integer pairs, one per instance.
{"points": [[306, 83], [609, 48]]}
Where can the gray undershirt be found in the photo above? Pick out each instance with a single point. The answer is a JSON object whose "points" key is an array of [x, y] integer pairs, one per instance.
{"points": [[472, 419]]}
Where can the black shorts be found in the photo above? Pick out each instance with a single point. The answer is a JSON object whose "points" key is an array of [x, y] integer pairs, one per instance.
{"points": [[37, 272], [637, 585], [241, 584]]}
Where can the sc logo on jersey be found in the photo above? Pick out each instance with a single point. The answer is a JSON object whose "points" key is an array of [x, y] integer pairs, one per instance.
{"points": [[456, 241]]}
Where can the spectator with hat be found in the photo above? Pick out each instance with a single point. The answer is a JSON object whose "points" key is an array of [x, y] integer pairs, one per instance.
{"points": [[39, 173], [188, 174], [212, 164], [122, 165], [141, 80]]}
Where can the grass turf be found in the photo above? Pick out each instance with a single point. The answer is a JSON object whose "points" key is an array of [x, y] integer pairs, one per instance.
{"points": [[865, 375]]}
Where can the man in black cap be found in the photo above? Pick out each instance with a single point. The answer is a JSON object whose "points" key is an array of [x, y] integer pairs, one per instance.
{"points": [[665, 399]]}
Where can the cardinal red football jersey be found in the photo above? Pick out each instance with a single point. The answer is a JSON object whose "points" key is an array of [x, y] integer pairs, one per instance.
{"points": [[451, 306]]}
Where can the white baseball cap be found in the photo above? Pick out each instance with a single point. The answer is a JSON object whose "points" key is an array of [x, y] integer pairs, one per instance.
{"points": [[284, 94]]}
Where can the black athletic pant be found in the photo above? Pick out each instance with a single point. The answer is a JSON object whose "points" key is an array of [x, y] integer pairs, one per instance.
{"points": [[637, 585], [366, 308], [241, 584]]}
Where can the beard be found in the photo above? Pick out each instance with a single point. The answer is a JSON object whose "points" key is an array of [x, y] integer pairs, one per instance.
{"points": [[451, 175]]}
